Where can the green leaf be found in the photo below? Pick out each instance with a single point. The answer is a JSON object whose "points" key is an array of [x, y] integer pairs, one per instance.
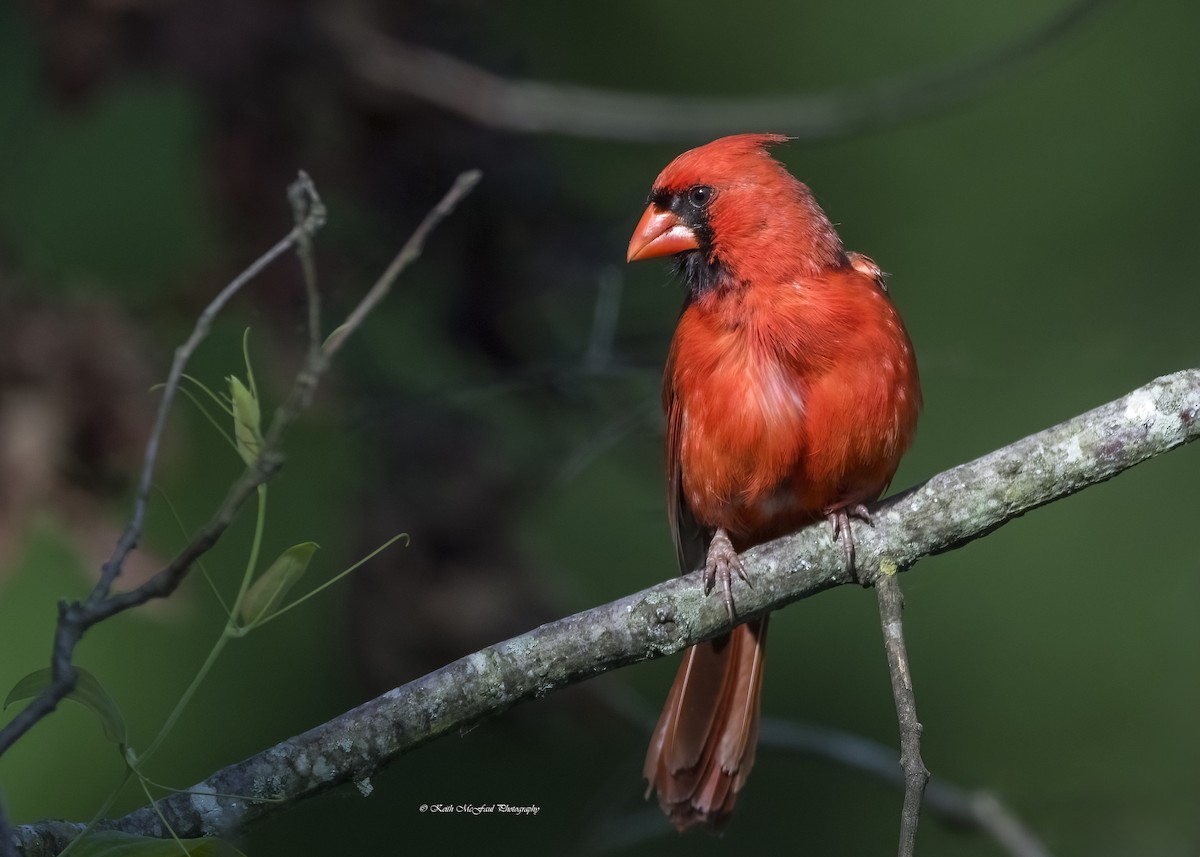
{"points": [[111, 843], [266, 593], [247, 420], [88, 692]]}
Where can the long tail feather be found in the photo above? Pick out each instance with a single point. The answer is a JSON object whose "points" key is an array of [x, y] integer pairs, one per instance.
{"points": [[705, 741]]}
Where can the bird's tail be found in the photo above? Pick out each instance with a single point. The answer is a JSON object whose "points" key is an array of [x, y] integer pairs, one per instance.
{"points": [[703, 747]]}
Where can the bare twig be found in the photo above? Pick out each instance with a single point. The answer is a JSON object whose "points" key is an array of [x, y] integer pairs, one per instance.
{"points": [[302, 194], [599, 352], [952, 805], [949, 510], [76, 618], [891, 608], [391, 66], [408, 254], [992, 816]]}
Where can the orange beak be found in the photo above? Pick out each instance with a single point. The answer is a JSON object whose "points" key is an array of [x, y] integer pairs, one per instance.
{"points": [[660, 233]]}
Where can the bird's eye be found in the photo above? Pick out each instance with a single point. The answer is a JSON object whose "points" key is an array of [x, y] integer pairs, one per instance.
{"points": [[700, 195]]}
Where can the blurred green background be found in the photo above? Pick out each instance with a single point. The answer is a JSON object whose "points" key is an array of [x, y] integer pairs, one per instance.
{"points": [[1043, 240]]}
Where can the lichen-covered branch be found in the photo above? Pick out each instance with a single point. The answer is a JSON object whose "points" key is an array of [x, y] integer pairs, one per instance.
{"points": [[949, 510]]}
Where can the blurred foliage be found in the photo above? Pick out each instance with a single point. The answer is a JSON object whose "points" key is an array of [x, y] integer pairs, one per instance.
{"points": [[1043, 248]]}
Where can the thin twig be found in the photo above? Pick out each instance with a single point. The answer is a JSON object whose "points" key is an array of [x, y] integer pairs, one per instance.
{"points": [[916, 776], [408, 254], [391, 66], [950, 510], [599, 352], [306, 207], [133, 532], [952, 805], [1005, 828], [76, 618]]}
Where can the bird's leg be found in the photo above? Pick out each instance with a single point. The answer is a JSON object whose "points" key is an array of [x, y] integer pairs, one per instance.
{"points": [[839, 519], [722, 564]]}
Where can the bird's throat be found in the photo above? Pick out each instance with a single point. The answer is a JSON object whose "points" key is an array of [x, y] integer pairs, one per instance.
{"points": [[703, 274]]}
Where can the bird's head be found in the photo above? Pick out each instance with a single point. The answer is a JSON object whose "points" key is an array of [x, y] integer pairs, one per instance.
{"points": [[731, 213]]}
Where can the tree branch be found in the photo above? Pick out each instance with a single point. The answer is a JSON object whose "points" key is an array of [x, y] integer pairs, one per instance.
{"points": [[393, 67], [949, 510]]}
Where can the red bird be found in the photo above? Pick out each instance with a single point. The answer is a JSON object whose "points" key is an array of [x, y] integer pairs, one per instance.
{"points": [[790, 392]]}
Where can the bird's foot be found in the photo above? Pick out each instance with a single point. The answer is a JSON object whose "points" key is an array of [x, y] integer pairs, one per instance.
{"points": [[723, 563], [839, 519]]}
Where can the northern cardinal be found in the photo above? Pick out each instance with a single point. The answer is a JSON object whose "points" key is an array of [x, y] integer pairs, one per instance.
{"points": [[790, 393]]}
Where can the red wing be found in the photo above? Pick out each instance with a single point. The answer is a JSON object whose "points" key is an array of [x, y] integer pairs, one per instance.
{"points": [[690, 538]]}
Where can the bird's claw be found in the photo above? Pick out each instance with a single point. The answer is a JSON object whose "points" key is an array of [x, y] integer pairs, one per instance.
{"points": [[839, 519], [722, 564]]}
